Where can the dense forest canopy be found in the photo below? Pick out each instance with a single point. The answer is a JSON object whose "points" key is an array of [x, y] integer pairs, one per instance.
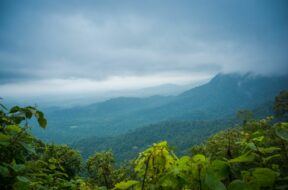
{"points": [[251, 156]]}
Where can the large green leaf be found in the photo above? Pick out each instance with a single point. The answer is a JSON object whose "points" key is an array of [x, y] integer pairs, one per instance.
{"points": [[52, 166], [267, 159], [41, 119], [282, 131], [18, 167], [248, 157], [199, 158], [220, 169], [125, 184], [213, 183], [52, 160], [23, 179], [252, 146], [268, 150], [259, 139], [237, 185], [28, 147], [265, 177]]}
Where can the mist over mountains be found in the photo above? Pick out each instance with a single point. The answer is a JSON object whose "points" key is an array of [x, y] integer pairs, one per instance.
{"points": [[83, 98], [221, 97]]}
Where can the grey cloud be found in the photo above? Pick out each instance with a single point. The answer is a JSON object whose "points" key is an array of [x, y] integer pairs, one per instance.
{"points": [[13, 76], [98, 40]]}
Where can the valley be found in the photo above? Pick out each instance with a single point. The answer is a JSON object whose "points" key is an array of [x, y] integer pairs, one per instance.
{"points": [[122, 123]]}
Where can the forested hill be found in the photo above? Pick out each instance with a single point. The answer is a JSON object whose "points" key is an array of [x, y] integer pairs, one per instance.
{"points": [[231, 92], [181, 135], [220, 98]]}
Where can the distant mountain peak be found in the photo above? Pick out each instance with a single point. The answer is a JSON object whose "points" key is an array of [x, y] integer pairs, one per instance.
{"points": [[233, 76]]}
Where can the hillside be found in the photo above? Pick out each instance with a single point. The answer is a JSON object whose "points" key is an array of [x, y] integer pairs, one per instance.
{"points": [[218, 99], [182, 135]]}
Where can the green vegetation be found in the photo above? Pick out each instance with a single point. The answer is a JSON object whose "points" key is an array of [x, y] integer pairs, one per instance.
{"points": [[250, 156], [181, 135]]}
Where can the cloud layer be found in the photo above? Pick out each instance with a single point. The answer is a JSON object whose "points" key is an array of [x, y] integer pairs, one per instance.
{"points": [[99, 40]]}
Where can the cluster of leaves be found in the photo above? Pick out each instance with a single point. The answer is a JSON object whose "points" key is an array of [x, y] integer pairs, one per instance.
{"points": [[16, 145], [102, 171], [249, 158], [28, 163]]}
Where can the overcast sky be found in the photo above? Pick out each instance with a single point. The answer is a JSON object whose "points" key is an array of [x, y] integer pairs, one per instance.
{"points": [[71, 46]]}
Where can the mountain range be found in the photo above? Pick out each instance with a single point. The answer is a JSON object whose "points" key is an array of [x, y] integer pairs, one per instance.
{"points": [[218, 99]]}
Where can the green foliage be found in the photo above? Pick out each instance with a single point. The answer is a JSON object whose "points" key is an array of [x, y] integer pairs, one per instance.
{"points": [[282, 131], [221, 145], [252, 156], [27, 163], [100, 169], [254, 166], [17, 146], [67, 157], [153, 163], [102, 172]]}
